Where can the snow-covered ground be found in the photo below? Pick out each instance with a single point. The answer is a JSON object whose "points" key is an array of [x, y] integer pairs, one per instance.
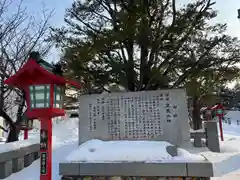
{"points": [[122, 151], [65, 137]]}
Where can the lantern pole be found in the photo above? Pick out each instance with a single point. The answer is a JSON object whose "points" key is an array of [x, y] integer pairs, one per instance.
{"points": [[220, 126], [46, 142], [219, 113], [46, 149], [25, 134]]}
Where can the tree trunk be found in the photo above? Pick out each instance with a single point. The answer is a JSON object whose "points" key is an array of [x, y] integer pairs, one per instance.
{"points": [[197, 122], [15, 127], [13, 134]]}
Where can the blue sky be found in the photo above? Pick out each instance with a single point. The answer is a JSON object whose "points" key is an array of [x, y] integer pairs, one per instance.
{"points": [[35, 7], [227, 14]]}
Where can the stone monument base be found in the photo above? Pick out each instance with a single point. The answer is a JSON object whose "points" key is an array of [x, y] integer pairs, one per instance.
{"points": [[130, 178], [200, 170]]}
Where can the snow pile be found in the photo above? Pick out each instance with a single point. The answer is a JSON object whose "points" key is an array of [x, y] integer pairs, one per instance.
{"points": [[128, 151], [17, 145]]}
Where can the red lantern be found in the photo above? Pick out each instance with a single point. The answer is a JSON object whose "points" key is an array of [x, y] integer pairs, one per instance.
{"points": [[44, 95]]}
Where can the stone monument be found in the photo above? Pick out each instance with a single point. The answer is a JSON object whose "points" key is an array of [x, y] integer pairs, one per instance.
{"points": [[145, 115]]}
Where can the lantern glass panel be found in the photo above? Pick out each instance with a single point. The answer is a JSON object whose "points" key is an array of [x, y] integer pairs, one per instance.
{"points": [[58, 96], [219, 111], [40, 96], [39, 87], [40, 105]]}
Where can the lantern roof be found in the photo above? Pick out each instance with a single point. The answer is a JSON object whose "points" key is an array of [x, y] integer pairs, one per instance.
{"points": [[36, 71], [217, 106]]}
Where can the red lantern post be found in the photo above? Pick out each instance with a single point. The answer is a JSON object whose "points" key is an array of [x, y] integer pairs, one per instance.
{"points": [[44, 95], [219, 113], [25, 134]]}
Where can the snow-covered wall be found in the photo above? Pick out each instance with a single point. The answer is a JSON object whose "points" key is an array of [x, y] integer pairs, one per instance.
{"points": [[233, 115]]}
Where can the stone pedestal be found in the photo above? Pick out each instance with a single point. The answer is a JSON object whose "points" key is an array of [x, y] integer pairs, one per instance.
{"points": [[212, 139], [5, 169], [17, 164], [28, 159]]}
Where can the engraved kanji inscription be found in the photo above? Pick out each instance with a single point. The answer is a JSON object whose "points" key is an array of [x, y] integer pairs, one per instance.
{"points": [[132, 117]]}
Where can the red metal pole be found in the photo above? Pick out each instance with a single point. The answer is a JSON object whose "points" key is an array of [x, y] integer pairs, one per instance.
{"points": [[46, 149], [25, 134], [220, 127]]}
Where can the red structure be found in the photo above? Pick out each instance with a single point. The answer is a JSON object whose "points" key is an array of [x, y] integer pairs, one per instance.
{"points": [[219, 112], [44, 95]]}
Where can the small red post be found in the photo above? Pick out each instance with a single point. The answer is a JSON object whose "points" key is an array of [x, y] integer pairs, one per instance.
{"points": [[46, 149], [25, 134], [219, 112], [220, 126]]}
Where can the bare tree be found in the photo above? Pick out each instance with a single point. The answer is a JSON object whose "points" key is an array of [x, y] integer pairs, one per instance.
{"points": [[19, 35]]}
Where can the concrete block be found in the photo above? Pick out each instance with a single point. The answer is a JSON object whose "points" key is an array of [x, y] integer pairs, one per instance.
{"points": [[6, 156], [5, 169], [28, 159], [71, 169], [200, 169], [9, 155], [122, 169], [36, 155], [198, 140], [17, 164], [212, 140], [133, 169], [30, 149], [15, 160]]}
